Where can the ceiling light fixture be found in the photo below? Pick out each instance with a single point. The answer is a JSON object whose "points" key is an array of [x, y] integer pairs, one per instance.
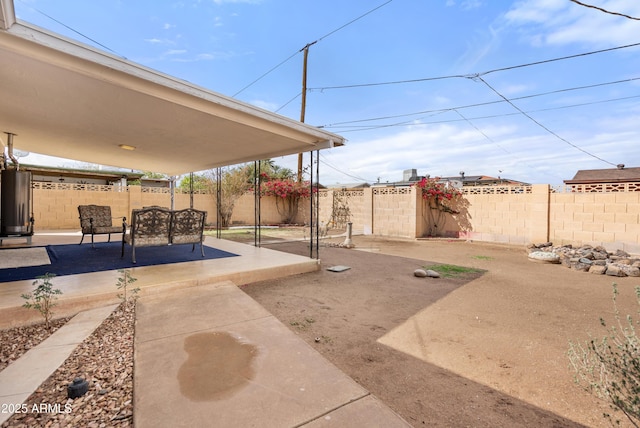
{"points": [[126, 147]]}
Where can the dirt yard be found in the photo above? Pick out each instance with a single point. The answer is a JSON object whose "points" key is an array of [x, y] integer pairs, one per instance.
{"points": [[479, 349]]}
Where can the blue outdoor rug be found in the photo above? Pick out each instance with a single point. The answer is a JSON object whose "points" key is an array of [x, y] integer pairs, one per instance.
{"points": [[73, 259]]}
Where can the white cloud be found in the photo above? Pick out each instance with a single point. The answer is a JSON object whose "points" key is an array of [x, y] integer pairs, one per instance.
{"points": [[479, 47], [156, 41], [560, 22], [175, 52], [465, 4], [470, 4], [514, 89]]}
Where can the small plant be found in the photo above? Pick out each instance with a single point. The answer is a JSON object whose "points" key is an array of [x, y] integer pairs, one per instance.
{"points": [[610, 368], [123, 284], [43, 298]]}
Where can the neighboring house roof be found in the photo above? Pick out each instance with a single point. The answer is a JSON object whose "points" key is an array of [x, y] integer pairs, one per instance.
{"points": [[485, 180], [66, 99], [467, 180], [347, 186], [610, 175]]}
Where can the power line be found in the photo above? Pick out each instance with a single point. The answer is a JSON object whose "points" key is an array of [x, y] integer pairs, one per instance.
{"points": [[595, 85], [353, 20], [492, 141], [344, 173], [267, 73], [605, 10], [540, 124], [370, 127], [287, 103], [73, 30], [309, 44], [454, 76]]}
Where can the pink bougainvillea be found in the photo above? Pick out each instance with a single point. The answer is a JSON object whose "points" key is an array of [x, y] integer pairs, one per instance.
{"points": [[285, 188], [439, 195], [288, 193]]}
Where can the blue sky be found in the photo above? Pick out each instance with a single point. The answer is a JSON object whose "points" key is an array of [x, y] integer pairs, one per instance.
{"points": [[448, 115]]}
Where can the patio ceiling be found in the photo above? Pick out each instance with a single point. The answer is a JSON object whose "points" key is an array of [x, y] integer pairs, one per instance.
{"points": [[66, 99]]}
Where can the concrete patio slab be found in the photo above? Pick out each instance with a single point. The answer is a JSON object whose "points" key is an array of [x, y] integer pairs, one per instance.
{"points": [[86, 291], [212, 356]]}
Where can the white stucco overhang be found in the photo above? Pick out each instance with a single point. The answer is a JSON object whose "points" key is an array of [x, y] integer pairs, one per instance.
{"points": [[65, 99]]}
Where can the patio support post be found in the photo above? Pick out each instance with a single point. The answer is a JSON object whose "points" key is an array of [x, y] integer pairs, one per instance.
{"points": [[314, 230], [317, 203], [257, 221], [172, 188], [311, 207], [191, 190], [218, 197]]}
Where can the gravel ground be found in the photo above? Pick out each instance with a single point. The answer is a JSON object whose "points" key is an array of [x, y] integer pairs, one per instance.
{"points": [[105, 359], [17, 341]]}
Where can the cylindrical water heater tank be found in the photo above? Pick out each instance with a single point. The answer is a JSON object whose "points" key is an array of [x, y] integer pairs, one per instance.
{"points": [[15, 202]]}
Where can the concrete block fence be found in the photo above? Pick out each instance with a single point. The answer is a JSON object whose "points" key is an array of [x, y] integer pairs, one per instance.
{"points": [[505, 214]]}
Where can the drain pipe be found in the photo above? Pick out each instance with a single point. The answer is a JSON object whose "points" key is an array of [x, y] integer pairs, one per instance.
{"points": [[10, 146], [3, 158]]}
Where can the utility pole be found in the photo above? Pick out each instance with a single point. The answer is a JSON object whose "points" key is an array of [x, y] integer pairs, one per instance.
{"points": [[304, 98]]}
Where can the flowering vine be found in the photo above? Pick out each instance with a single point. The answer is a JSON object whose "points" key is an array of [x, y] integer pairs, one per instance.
{"points": [[438, 195], [288, 193], [439, 198]]}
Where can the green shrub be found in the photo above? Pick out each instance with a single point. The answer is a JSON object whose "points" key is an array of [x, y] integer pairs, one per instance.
{"points": [[43, 298], [610, 367]]}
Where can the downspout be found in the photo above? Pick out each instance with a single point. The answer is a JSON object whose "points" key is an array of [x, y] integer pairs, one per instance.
{"points": [[10, 149], [3, 158]]}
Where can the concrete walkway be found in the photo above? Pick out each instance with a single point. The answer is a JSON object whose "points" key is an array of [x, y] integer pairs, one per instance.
{"points": [[212, 356], [22, 377]]}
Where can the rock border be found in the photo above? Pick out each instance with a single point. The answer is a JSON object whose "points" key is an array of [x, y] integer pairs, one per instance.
{"points": [[586, 258]]}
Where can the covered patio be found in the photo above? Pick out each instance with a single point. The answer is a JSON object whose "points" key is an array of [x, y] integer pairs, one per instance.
{"points": [[66, 99]]}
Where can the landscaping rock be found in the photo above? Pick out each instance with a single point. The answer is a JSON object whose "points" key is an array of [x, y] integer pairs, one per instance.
{"points": [[582, 264], [595, 260], [432, 274], [630, 270], [420, 273], [598, 269], [544, 257], [614, 270]]}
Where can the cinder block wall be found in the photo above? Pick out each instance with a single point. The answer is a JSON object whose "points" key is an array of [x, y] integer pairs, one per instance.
{"points": [[394, 211], [514, 215], [609, 219], [518, 217]]}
